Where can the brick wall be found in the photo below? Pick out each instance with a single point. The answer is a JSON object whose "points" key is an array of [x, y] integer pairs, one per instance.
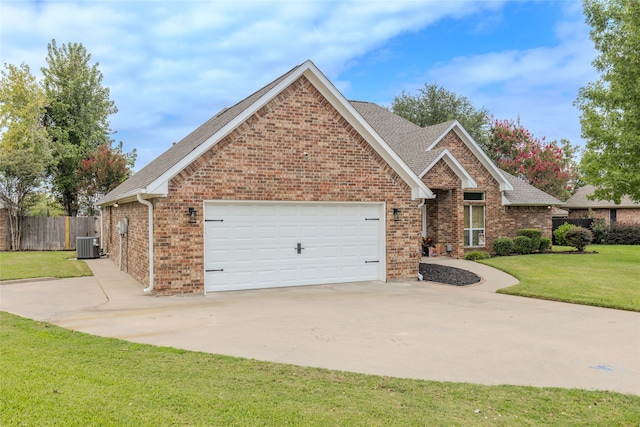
{"points": [[264, 159], [445, 220], [589, 213], [135, 243], [628, 216], [519, 217], [623, 215]]}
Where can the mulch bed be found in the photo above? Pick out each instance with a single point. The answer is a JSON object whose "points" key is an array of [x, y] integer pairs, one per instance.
{"points": [[449, 275]]}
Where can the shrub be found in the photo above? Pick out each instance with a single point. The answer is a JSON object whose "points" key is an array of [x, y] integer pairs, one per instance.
{"points": [[623, 235], [534, 234], [599, 230], [545, 244], [503, 246], [476, 255], [558, 233], [578, 237], [522, 245]]}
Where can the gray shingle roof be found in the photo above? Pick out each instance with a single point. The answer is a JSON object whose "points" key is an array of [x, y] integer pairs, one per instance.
{"points": [[525, 194], [407, 139], [579, 200], [411, 142]]}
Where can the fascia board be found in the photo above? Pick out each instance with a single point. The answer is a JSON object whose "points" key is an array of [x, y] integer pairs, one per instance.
{"points": [[466, 179], [130, 196], [418, 189], [505, 185]]}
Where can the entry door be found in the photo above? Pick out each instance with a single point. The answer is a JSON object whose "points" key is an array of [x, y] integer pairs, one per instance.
{"points": [[250, 245]]}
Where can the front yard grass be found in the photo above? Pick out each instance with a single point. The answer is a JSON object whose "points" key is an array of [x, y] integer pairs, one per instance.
{"points": [[610, 278], [54, 376], [26, 265]]}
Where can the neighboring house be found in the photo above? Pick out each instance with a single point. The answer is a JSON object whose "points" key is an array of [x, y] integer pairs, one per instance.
{"points": [[556, 212], [295, 185], [579, 206]]}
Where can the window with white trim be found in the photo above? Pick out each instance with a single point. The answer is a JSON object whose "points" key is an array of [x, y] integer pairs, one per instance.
{"points": [[474, 223]]}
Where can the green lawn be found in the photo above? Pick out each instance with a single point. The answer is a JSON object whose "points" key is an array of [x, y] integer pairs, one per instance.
{"points": [[54, 376], [610, 278], [25, 265]]}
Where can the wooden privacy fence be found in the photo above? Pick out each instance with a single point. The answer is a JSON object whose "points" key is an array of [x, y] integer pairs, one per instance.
{"points": [[56, 233]]}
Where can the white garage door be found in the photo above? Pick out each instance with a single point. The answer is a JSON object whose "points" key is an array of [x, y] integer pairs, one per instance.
{"points": [[250, 245]]}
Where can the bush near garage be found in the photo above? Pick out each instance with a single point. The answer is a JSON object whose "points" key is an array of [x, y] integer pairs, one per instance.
{"points": [[545, 244], [599, 230], [503, 246], [578, 237], [522, 245], [623, 234], [476, 255], [558, 234], [534, 234]]}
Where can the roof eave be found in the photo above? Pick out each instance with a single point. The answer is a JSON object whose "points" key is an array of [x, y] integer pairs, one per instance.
{"points": [[465, 178], [130, 196]]}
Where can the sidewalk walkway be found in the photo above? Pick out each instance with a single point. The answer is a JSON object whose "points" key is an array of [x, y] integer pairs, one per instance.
{"points": [[492, 279]]}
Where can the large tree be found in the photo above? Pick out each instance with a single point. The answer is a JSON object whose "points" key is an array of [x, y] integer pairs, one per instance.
{"points": [[77, 118], [434, 104], [611, 106], [548, 166], [100, 172], [25, 150]]}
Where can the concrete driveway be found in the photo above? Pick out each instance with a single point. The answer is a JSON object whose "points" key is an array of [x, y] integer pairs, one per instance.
{"points": [[413, 329]]}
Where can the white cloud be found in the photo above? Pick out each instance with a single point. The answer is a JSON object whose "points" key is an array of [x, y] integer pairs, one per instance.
{"points": [[537, 84], [170, 65]]}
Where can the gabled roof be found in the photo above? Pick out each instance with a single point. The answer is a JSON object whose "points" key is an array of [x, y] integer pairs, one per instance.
{"points": [[445, 155], [524, 194], [413, 143], [579, 201], [496, 173], [154, 178], [167, 160]]}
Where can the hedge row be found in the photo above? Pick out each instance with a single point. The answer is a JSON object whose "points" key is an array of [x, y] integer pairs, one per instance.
{"points": [[623, 234], [527, 240]]}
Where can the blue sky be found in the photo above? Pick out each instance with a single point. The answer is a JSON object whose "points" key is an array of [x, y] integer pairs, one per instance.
{"points": [[170, 65]]}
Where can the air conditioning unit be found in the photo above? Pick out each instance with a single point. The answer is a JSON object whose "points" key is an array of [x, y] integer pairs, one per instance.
{"points": [[87, 247]]}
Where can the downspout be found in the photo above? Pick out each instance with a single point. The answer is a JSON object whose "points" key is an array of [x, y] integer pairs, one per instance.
{"points": [[150, 206], [101, 232]]}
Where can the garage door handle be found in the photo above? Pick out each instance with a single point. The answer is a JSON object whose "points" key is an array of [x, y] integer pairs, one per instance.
{"points": [[209, 271], [299, 248]]}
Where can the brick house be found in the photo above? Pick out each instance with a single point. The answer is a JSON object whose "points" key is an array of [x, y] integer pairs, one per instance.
{"points": [[579, 206], [295, 185]]}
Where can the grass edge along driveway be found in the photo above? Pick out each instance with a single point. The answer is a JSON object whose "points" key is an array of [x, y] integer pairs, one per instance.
{"points": [[28, 265], [609, 278], [54, 376]]}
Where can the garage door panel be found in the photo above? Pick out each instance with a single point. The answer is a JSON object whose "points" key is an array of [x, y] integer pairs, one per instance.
{"points": [[254, 243]]}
